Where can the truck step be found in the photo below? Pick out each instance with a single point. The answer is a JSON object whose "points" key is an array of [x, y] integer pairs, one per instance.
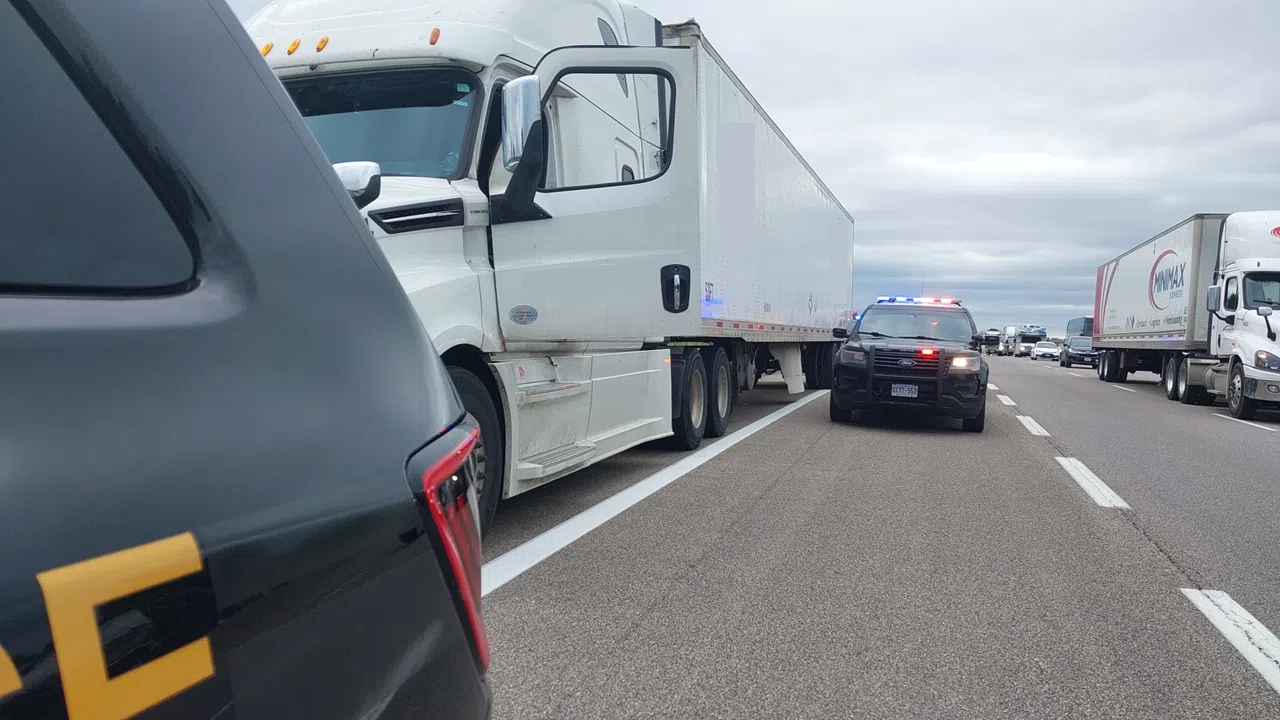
{"points": [[541, 464]]}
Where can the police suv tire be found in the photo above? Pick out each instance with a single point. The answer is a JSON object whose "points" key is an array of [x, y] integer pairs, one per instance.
{"points": [[491, 451], [687, 431], [976, 424], [719, 391], [837, 414]]}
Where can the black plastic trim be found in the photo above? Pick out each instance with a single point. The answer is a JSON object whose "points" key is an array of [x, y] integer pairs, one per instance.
{"points": [[391, 222]]}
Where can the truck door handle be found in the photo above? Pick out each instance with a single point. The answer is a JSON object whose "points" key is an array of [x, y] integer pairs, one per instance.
{"points": [[675, 288]]}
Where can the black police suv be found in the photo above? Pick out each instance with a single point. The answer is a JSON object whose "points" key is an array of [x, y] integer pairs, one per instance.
{"points": [[916, 354], [1078, 350], [234, 475]]}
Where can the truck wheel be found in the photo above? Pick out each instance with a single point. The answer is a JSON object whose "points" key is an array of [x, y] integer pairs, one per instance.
{"points": [[809, 367], [826, 366], [1189, 394], [976, 424], [719, 391], [837, 414], [689, 428], [490, 452], [1172, 390], [1240, 407]]}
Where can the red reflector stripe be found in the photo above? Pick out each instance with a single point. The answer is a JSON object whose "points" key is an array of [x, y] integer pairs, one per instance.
{"points": [[456, 522]]}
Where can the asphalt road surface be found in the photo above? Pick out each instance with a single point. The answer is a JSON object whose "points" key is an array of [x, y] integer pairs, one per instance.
{"points": [[1108, 555]]}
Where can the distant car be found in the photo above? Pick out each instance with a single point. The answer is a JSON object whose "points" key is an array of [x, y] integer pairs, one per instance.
{"points": [[237, 478], [913, 355], [1078, 350], [1046, 350]]}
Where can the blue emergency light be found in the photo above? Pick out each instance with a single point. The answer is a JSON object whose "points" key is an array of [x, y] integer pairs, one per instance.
{"points": [[886, 299]]}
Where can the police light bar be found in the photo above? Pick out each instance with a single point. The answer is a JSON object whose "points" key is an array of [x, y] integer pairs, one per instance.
{"points": [[883, 299]]}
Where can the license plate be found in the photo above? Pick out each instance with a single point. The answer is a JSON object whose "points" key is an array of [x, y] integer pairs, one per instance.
{"points": [[904, 391]]}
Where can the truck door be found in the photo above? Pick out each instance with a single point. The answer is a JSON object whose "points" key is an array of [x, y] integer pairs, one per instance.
{"points": [[591, 250], [1224, 340]]}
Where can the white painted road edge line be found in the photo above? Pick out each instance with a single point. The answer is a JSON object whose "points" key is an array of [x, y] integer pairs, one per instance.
{"points": [[1032, 426], [1006, 399], [510, 565], [1246, 422], [1091, 483], [1121, 387], [992, 387], [1251, 638], [1074, 374]]}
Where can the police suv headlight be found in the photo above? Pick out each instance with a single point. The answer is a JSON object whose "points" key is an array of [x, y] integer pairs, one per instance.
{"points": [[1266, 360], [853, 356], [965, 363]]}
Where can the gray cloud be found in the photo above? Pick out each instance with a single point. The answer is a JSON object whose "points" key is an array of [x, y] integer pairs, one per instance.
{"points": [[1006, 148]]}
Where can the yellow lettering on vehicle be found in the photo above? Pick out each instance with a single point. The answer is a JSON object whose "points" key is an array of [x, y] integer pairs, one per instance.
{"points": [[70, 594], [10, 681]]}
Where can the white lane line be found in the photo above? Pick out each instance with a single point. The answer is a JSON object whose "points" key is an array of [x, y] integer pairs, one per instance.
{"points": [[1246, 422], [1032, 426], [1006, 399], [991, 386], [510, 565], [1091, 483], [1121, 387], [1251, 638], [1074, 374]]}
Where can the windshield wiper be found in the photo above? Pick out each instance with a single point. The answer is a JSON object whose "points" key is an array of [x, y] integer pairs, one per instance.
{"points": [[873, 333], [926, 337]]}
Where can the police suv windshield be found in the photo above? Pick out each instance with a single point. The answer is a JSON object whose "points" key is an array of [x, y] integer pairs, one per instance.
{"points": [[411, 122], [924, 323]]}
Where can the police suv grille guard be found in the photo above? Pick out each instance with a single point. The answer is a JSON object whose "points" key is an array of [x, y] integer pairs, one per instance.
{"points": [[890, 362]]}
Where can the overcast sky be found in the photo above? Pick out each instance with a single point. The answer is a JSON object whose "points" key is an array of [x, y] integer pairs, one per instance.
{"points": [[1003, 149]]}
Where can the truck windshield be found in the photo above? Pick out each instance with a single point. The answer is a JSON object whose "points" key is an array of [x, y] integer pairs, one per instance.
{"points": [[947, 325], [1262, 289], [411, 122]]}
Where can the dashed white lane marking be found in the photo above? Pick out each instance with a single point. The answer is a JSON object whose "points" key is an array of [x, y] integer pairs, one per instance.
{"points": [[1091, 483], [1074, 374], [1251, 638], [1032, 426], [990, 386], [1006, 399], [1246, 422], [1126, 389], [510, 565]]}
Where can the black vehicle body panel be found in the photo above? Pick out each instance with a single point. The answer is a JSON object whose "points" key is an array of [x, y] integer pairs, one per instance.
{"points": [[941, 392], [1081, 356], [261, 413]]}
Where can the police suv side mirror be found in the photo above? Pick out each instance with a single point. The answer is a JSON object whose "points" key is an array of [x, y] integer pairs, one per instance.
{"points": [[841, 333], [363, 180], [1213, 298]]}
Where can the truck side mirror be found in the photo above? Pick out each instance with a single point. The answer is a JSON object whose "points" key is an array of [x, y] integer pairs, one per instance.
{"points": [[841, 333], [521, 109], [363, 180], [1213, 298]]}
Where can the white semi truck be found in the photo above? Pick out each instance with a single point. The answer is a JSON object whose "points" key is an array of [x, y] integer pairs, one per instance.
{"points": [[605, 235], [1195, 304]]}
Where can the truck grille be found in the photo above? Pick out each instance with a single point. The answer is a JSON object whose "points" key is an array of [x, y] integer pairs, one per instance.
{"points": [[888, 362]]}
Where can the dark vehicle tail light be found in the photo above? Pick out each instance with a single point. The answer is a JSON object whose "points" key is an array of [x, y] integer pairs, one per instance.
{"points": [[451, 496]]}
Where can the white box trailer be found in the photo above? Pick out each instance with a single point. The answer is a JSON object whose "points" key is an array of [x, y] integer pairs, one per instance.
{"points": [[604, 234]]}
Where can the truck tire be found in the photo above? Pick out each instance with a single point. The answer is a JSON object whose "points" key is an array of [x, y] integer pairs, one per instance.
{"points": [[689, 428], [719, 390], [1240, 407], [1172, 391], [490, 449], [1189, 394], [976, 424], [809, 366], [826, 366]]}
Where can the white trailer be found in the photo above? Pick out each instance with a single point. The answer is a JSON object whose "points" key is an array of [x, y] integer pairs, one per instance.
{"points": [[1194, 304], [605, 235]]}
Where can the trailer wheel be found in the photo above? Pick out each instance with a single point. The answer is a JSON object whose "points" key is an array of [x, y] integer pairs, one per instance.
{"points": [[1172, 387], [1240, 406], [689, 428], [719, 391], [489, 451], [826, 363]]}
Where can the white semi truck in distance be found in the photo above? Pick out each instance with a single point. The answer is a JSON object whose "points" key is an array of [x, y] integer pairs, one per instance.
{"points": [[604, 234], [1195, 304]]}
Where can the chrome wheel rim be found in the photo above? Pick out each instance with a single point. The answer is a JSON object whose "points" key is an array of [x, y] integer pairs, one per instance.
{"points": [[1235, 390], [1182, 381], [697, 399], [722, 394]]}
